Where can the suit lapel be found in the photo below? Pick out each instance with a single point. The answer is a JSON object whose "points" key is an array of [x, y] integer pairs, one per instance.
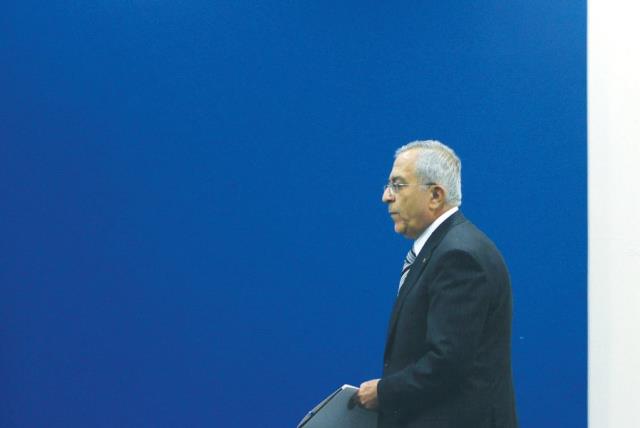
{"points": [[418, 266]]}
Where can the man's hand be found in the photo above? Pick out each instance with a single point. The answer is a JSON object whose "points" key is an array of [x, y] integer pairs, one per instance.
{"points": [[367, 395]]}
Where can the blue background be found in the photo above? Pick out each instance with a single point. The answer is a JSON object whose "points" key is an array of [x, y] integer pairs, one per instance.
{"points": [[192, 232]]}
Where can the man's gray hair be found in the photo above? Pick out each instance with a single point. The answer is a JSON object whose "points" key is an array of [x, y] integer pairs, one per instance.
{"points": [[437, 163]]}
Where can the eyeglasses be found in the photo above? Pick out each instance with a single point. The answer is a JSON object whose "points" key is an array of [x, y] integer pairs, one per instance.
{"points": [[394, 188]]}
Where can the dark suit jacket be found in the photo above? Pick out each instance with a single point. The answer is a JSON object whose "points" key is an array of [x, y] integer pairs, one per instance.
{"points": [[447, 361]]}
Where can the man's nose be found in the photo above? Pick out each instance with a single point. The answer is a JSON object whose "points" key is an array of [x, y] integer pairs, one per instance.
{"points": [[387, 196]]}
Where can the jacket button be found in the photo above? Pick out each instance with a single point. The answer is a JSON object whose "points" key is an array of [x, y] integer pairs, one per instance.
{"points": [[386, 365]]}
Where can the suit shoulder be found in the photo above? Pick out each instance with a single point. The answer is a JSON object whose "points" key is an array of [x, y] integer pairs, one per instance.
{"points": [[468, 238], [466, 234]]}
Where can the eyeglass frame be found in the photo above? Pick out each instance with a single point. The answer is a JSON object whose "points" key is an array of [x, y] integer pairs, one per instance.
{"points": [[394, 188]]}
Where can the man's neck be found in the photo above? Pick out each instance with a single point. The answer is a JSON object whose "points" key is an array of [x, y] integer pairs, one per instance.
{"points": [[424, 236]]}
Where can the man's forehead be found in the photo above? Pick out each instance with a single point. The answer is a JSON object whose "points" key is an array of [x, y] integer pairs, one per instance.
{"points": [[403, 167], [397, 176]]}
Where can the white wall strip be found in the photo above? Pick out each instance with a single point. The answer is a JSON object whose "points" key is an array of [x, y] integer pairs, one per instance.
{"points": [[614, 213]]}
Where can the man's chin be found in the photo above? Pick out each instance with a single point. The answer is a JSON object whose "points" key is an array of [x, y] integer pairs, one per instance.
{"points": [[401, 229]]}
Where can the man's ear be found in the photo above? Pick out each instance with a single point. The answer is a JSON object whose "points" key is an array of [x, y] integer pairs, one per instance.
{"points": [[437, 195]]}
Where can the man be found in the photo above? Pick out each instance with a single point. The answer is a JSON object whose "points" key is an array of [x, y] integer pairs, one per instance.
{"points": [[447, 360]]}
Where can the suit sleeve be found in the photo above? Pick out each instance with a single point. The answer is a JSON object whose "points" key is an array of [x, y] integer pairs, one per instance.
{"points": [[458, 303]]}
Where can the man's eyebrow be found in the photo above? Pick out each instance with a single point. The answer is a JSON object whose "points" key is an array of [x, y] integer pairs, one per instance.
{"points": [[395, 178]]}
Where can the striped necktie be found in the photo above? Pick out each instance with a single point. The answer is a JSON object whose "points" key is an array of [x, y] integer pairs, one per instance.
{"points": [[411, 257]]}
